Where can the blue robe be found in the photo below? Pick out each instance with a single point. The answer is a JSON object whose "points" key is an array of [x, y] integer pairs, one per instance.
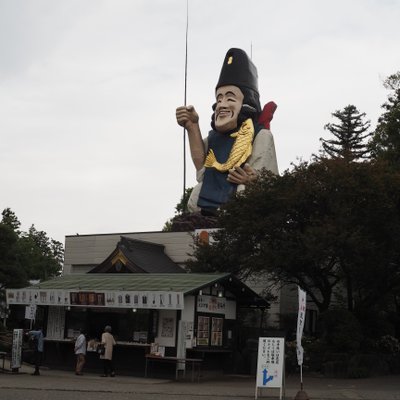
{"points": [[216, 190]]}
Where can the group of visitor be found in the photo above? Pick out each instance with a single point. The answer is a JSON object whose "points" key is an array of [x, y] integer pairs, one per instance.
{"points": [[104, 349]]}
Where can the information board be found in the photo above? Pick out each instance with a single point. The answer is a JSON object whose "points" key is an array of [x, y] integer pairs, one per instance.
{"points": [[16, 350], [271, 351]]}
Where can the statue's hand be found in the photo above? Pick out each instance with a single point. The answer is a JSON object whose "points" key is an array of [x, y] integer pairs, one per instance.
{"points": [[242, 176], [187, 117]]}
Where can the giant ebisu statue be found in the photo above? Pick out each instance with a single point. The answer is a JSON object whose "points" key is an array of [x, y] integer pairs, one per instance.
{"points": [[240, 143]]}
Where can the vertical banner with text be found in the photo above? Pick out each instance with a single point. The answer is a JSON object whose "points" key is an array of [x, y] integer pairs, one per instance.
{"points": [[16, 350], [300, 325]]}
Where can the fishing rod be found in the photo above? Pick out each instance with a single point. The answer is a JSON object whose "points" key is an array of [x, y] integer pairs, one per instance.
{"points": [[184, 99]]}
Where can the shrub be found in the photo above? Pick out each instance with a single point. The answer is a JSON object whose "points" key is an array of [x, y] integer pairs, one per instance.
{"points": [[365, 365], [335, 369], [358, 372], [314, 354], [388, 345], [341, 331], [394, 363]]}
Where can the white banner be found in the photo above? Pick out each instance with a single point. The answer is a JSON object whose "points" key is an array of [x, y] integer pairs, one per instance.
{"points": [[16, 350], [55, 322], [301, 316], [30, 312], [271, 353], [111, 299]]}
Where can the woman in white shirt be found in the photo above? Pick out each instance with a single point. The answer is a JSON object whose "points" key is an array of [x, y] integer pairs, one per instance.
{"points": [[107, 339], [80, 352]]}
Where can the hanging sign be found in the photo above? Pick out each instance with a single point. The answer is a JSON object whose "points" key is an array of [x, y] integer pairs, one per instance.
{"points": [[30, 312], [211, 304], [112, 299]]}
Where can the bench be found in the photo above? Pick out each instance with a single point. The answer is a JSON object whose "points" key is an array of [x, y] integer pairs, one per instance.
{"points": [[194, 363]]}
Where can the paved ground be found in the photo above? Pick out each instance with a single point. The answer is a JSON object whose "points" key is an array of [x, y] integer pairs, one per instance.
{"points": [[232, 387]]}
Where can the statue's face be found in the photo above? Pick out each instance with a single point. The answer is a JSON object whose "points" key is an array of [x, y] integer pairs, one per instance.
{"points": [[229, 103]]}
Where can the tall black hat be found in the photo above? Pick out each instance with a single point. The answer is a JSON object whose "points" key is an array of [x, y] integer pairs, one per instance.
{"points": [[238, 70]]}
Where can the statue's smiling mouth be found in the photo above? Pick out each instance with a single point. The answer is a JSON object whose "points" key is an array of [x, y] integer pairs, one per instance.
{"points": [[224, 113]]}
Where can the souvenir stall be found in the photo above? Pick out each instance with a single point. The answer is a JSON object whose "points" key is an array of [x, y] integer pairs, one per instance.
{"points": [[174, 314]]}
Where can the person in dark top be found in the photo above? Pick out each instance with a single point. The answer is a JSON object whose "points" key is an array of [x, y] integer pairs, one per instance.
{"points": [[37, 338]]}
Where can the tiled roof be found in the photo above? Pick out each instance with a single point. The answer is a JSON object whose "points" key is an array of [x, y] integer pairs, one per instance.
{"points": [[142, 256], [184, 283]]}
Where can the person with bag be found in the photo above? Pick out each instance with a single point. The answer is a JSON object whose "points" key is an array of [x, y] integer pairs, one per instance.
{"points": [[108, 341], [37, 339], [80, 352]]}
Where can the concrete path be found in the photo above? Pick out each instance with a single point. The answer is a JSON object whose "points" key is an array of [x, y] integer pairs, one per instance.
{"points": [[232, 386]]}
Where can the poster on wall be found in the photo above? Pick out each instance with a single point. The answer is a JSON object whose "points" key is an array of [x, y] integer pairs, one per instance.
{"points": [[55, 323], [167, 327], [30, 312], [216, 331], [203, 329]]}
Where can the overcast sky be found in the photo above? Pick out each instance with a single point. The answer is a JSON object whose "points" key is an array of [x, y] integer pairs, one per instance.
{"points": [[88, 90]]}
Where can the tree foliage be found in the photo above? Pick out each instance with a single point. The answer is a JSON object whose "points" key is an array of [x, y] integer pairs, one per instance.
{"points": [[326, 226], [11, 273], [182, 206], [350, 135], [10, 219], [41, 255], [386, 138], [331, 226], [185, 221], [28, 255]]}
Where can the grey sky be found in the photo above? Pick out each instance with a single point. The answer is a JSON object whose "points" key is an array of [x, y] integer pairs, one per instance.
{"points": [[88, 91]]}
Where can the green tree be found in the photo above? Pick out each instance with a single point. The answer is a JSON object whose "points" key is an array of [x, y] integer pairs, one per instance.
{"points": [[270, 229], [182, 206], [350, 135], [29, 255], [9, 218], [185, 221], [386, 138], [11, 273], [327, 226], [41, 256], [25, 255]]}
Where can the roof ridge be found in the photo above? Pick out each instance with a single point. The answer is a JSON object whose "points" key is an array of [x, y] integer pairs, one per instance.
{"points": [[128, 239]]}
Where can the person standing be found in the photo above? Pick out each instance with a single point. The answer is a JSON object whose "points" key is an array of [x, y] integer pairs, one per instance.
{"points": [[107, 339], [80, 352], [37, 337]]}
